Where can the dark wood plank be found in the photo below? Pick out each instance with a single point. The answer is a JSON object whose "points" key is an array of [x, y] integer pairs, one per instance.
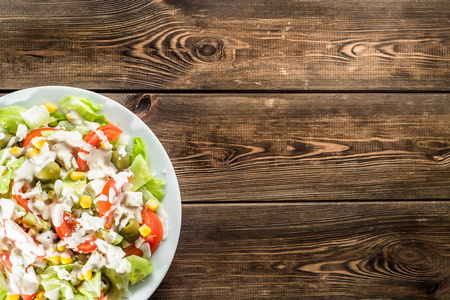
{"points": [[312, 251], [302, 147], [232, 45]]}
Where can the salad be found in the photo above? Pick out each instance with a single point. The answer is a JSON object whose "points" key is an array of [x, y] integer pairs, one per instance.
{"points": [[80, 209]]}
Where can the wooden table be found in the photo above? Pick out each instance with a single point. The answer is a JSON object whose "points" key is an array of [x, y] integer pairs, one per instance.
{"points": [[311, 139]]}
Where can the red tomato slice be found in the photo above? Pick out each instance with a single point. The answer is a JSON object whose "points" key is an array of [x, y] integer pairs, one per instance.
{"points": [[132, 250], [104, 206], [111, 132], [33, 134], [88, 246], [152, 220], [66, 229]]}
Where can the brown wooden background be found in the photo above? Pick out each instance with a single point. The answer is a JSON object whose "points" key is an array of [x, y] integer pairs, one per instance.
{"points": [[311, 139]]}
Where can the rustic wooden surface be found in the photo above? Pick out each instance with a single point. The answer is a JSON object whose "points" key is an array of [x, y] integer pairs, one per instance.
{"points": [[311, 139], [217, 45]]}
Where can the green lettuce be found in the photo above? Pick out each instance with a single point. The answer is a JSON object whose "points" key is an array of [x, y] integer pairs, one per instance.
{"points": [[3, 289], [85, 107], [138, 149], [153, 189], [92, 289], [52, 283], [10, 117], [141, 172], [5, 179], [118, 286], [58, 116], [140, 268], [37, 116]]}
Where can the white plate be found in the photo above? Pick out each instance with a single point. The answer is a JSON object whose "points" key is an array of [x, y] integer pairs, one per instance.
{"points": [[159, 162]]}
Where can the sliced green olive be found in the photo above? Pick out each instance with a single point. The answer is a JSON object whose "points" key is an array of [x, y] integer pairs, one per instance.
{"points": [[30, 220], [130, 233], [121, 162], [50, 173], [5, 140], [106, 283]]}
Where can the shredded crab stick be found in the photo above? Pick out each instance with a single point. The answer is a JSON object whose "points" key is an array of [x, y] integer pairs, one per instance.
{"points": [[16, 234], [17, 193], [26, 244], [94, 139]]}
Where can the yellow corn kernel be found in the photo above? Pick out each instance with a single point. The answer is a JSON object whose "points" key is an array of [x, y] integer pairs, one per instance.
{"points": [[145, 230], [16, 151], [85, 201], [13, 297], [39, 144], [50, 193], [40, 295], [55, 260], [75, 175], [88, 275], [33, 232], [32, 153], [3, 171], [51, 107], [66, 260], [60, 246], [152, 204]]}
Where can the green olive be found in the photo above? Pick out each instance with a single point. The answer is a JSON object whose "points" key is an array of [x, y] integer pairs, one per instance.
{"points": [[130, 232], [5, 140], [106, 283], [50, 173], [121, 162]]}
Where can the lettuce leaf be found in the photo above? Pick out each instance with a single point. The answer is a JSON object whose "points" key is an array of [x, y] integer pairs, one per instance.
{"points": [[10, 117], [140, 268], [85, 107], [58, 116], [153, 190], [118, 286], [37, 116], [53, 284], [3, 289], [5, 179], [92, 289], [138, 149], [141, 172]]}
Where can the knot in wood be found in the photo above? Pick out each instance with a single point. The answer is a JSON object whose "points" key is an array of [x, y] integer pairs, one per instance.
{"points": [[409, 254], [209, 50]]}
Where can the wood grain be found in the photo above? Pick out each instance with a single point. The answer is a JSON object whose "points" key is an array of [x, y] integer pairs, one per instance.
{"points": [[236, 45], [302, 147], [372, 250]]}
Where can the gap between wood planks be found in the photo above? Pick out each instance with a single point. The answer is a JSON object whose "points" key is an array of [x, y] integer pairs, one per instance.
{"points": [[255, 92], [334, 202]]}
